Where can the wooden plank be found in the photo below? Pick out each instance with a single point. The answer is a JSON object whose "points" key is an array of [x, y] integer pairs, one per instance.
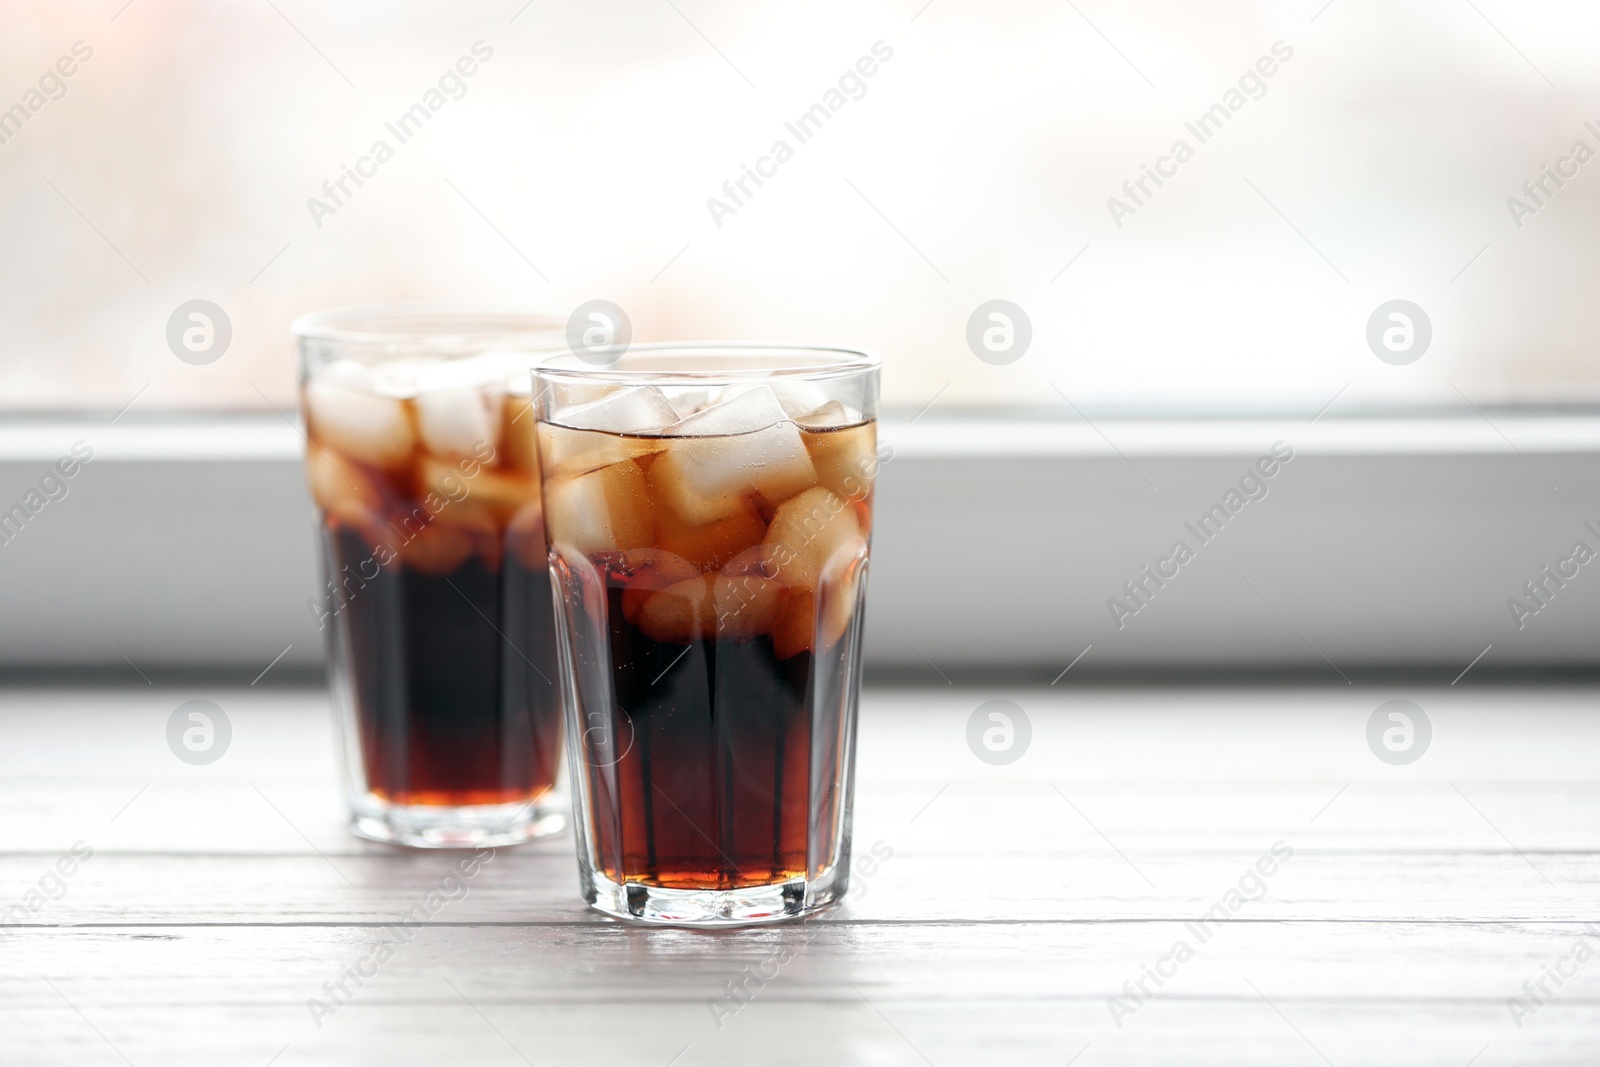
{"points": [[1019, 899], [540, 885], [610, 992], [1103, 764], [1177, 1033], [1108, 734], [584, 962]]}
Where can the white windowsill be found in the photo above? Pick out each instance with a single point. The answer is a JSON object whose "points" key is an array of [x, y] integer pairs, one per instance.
{"points": [[268, 438], [188, 542]]}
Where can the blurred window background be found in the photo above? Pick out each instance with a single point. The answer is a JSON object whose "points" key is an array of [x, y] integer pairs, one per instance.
{"points": [[936, 155]]}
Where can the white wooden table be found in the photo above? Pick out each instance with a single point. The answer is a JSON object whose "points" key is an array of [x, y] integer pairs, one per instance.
{"points": [[1019, 899]]}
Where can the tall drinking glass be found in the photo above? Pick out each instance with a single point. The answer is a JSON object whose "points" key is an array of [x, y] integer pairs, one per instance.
{"points": [[437, 607], [708, 512]]}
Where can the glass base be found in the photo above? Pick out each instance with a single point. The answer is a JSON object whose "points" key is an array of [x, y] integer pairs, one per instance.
{"points": [[474, 826], [714, 907]]}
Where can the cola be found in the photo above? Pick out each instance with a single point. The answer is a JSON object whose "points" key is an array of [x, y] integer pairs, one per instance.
{"points": [[711, 575], [437, 595]]}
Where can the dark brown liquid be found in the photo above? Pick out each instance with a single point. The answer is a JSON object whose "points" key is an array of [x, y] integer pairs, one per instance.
{"points": [[454, 675], [721, 765]]}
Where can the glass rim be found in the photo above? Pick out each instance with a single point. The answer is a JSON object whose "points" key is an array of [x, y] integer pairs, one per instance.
{"points": [[825, 362], [407, 323]]}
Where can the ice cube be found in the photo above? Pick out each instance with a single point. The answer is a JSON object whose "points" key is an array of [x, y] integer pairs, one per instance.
{"points": [[500, 495], [739, 409], [756, 561], [830, 415], [353, 374], [575, 394], [736, 607], [840, 584], [460, 422], [484, 370], [704, 479], [365, 426], [442, 481], [470, 487], [640, 409], [564, 451], [681, 612], [400, 379], [846, 460], [794, 629], [688, 401], [712, 544], [745, 604], [798, 627], [647, 571], [603, 511], [343, 489], [816, 546], [439, 547], [810, 534], [799, 398]]}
